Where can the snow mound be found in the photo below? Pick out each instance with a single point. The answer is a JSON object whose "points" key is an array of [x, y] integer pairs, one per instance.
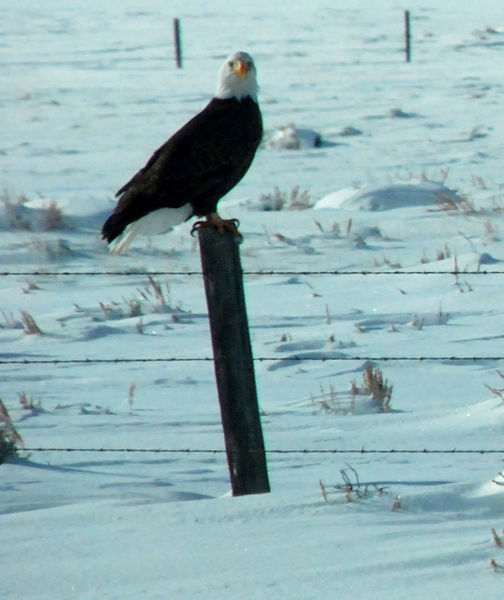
{"points": [[399, 195], [289, 137]]}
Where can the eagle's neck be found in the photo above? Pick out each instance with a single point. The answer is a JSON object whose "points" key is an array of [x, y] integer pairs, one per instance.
{"points": [[227, 89]]}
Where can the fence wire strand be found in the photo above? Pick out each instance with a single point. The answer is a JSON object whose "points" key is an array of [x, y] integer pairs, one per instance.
{"points": [[273, 451], [290, 273], [260, 359]]}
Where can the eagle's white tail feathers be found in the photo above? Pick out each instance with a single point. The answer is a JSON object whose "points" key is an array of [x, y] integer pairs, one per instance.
{"points": [[158, 221], [123, 242]]}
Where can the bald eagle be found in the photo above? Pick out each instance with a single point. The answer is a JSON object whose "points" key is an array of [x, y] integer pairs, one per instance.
{"points": [[197, 166]]}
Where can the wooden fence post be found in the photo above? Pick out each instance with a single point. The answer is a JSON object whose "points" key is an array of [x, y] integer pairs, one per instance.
{"points": [[407, 35], [233, 362], [178, 45]]}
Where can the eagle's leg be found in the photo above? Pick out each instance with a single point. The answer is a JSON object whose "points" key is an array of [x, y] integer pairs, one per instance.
{"points": [[222, 225]]}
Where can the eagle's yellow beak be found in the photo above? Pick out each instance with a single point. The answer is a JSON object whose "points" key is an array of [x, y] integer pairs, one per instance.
{"points": [[240, 69]]}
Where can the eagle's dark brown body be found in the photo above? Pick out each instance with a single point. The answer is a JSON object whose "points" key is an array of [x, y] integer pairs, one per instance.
{"points": [[198, 165]]}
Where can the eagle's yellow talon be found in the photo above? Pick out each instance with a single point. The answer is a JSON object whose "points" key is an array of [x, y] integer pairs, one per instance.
{"points": [[222, 225]]}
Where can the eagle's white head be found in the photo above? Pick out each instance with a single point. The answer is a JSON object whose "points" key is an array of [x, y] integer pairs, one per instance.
{"points": [[237, 78]]}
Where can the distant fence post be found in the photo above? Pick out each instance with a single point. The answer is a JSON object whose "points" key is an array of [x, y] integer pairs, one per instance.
{"points": [[233, 362], [407, 35], [178, 46]]}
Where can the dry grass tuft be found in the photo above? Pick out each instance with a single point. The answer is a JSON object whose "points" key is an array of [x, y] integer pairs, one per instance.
{"points": [[396, 505], [352, 488], [443, 253], [375, 386], [328, 402], [13, 209], [496, 567], [21, 217], [29, 324], [131, 397], [154, 295], [459, 205], [496, 538], [498, 541], [9, 321], [28, 403], [153, 298], [499, 392], [324, 491], [53, 217], [30, 287], [293, 200], [10, 440]]}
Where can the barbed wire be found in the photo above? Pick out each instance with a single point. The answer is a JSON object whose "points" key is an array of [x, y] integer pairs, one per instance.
{"points": [[296, 358], [274, 451], [90, 361], [290, 273]]}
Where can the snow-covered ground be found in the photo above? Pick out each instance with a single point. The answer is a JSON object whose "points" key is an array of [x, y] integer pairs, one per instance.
{"points": [[395, 170]]}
